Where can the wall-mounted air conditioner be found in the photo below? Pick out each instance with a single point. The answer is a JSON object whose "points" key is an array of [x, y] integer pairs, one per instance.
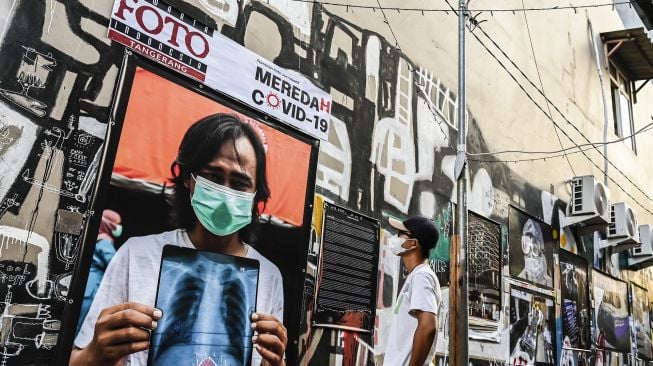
{"points": [[642, 256], [637, 263], [622, 233], [646, 247], [589, 204]]}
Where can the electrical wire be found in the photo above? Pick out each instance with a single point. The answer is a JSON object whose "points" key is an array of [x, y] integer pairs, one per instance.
{"points": [[490, 10], [539, 76], [626, 192], [555, 108], [385, 19], [514, 11], [414, 71], [592, 144], [549, 156]]}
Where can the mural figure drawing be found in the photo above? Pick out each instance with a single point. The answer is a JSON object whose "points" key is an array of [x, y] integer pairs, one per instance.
{"points": [[34, 70]]}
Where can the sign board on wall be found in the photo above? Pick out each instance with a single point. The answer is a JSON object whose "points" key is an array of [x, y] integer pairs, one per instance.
{"points": [[348, 270], [156, 30]]}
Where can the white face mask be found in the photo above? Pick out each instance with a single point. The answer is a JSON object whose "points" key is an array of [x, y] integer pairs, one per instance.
{"points": [[395, 242], [534, 267]]}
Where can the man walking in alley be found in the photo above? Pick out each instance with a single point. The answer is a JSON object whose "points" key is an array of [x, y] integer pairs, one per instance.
{"points": [[413, 334]]}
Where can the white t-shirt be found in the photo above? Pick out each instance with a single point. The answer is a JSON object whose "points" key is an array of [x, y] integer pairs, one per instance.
{"points": [[421, 291], [133, 274]]}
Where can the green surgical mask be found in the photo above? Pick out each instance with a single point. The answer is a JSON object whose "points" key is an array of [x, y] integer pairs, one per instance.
{"points": [[117, 231], [220, 209]]}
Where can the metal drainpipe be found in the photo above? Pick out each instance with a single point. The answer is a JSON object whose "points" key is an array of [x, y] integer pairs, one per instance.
{"points": [[605, 103]]}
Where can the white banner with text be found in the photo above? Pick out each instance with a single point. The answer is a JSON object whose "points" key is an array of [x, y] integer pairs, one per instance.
{"points": [[162, 33]]}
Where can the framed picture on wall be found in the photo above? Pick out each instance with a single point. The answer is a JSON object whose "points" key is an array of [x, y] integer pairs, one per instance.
{"points": [[530, 249], [484, 271], [575, 312], [639, 307], [152, 117], [532, 328], [612, 323]]}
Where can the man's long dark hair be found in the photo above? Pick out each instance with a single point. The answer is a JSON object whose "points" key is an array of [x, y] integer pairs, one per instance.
{"points": [[198, 148]]}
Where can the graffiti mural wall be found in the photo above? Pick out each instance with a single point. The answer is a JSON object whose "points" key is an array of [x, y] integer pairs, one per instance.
{"points": [[56, 84]]}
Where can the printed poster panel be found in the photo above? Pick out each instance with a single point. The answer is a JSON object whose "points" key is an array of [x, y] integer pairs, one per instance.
{"points": [[444, 361], [575, 301], [484, 271], [348, 270], [611, 313], [156, 30], [532, 329], [531, 246], [641, 321], [439, 259]]}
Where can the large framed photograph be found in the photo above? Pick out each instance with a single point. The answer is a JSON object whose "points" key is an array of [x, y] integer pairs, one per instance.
{"points": [[484, 268], [152, 116], [575, 301], [532, 328], [530, 249], [641, 322], [611, 313]]}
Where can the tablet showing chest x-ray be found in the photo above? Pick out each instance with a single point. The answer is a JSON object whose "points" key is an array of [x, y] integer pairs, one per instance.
{"points": [[207, 300]]}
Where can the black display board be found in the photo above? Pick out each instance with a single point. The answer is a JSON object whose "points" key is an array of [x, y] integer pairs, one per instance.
{"points": [[348, 270], [575, 301]]}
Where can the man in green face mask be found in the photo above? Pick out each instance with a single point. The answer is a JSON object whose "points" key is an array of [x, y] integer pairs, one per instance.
{"points": [[220, 180]]}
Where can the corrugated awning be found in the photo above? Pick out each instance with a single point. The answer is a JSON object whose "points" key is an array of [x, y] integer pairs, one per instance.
{"points": [[632, 50]]}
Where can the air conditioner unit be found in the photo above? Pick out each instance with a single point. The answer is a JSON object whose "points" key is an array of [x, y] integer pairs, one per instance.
{"points": [[637, 263], [622, 233], [589, 202], [646, 248]]}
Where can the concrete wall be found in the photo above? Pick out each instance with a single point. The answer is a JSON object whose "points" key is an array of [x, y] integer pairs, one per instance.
{"points": [[391, 145]]}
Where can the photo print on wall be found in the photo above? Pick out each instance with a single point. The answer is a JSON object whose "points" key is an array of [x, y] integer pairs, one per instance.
{"points": [[611, 313], [641, 321], [484, 243], [531, 246], [532, 329], [575, 301]]}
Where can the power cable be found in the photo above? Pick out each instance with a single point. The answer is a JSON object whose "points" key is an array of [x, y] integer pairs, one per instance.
{"points": [[385, 19], [491, 10], [554, 107], [510, 74], [414, 71], [561, 130], [539, 76], [592, 144]]}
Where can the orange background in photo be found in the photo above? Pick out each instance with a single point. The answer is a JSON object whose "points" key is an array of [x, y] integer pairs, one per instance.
{"points": [[158, 114]]}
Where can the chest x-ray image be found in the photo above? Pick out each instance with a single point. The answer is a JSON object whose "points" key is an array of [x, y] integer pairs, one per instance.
{"points": [[207, 300]]}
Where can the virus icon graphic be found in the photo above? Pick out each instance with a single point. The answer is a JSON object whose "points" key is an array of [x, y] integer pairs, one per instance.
{"points": [[273, 100]]}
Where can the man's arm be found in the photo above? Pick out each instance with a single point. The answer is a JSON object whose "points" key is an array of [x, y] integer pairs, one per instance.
{"points": [[119, 331], [427, 329]]}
